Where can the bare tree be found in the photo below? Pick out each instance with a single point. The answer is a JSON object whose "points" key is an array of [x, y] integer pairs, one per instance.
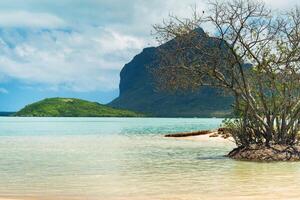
{"points": [[253, 53]]}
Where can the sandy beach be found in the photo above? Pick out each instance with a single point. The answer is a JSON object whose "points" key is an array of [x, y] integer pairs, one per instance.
{"points": [[209, 137]]}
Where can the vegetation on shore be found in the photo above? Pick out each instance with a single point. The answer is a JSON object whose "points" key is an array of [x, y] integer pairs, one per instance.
{"points": [[266, 91], [71, 107]]}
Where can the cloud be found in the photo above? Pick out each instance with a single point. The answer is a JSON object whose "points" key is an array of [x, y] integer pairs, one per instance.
{"points": [[59, 59], [81, 45], [3, 91], [280, 4], [29, 20]]}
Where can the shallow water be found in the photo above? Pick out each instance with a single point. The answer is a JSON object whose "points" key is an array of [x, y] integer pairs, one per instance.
{"points": [[128, 158]]}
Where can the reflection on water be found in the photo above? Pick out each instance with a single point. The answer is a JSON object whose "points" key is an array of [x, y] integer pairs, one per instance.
{"points": [[118, 159]]}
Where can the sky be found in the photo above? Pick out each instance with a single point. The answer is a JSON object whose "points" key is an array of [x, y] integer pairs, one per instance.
{"points": [[76, 48]]}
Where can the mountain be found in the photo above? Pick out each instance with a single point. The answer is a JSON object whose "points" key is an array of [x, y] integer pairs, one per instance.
{"points": [[138, 90], [70, 107]]}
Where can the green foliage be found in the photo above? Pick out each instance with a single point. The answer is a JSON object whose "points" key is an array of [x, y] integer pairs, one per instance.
{"points": [[235, 128], [70, 107], [242, 132]]}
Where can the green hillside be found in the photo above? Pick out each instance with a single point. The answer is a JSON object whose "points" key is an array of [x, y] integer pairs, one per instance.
{"points": [[70, 107]]}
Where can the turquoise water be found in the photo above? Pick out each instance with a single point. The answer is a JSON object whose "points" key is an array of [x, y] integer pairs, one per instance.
{"points": [[128, 158]]}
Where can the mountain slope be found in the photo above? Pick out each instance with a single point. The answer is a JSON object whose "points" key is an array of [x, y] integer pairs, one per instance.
{"points": [[70, 107], [138, 91]]}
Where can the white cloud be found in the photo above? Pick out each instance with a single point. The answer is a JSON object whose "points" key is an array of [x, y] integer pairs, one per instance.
{"points": [[280, 4], [80, 61], [29, 20], [3, 91], [81, 45]]}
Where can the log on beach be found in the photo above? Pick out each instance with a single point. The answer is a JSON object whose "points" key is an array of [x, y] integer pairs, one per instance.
{"points": [[187, 134]]}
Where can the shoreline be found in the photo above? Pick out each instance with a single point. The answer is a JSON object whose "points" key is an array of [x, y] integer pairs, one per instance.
{"points": [[218, 135], [207, 138]]}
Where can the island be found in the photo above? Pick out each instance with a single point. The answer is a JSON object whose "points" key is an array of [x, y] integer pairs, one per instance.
{"points": [[72, 107]]}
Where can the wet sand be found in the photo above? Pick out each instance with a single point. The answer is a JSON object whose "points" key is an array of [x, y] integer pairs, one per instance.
{"points": [[206, 137]]}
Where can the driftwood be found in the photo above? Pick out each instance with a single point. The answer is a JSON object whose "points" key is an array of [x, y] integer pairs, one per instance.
{"points": [[186, 134]]}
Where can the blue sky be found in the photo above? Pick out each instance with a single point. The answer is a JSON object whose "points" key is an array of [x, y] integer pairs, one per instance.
{"points": [[76, 48]]}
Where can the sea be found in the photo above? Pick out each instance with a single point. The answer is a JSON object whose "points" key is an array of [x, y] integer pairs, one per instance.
{"points": [[130, 159]]}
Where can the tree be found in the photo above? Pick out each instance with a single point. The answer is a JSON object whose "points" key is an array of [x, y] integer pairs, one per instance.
{"points": [[255, 58]]}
